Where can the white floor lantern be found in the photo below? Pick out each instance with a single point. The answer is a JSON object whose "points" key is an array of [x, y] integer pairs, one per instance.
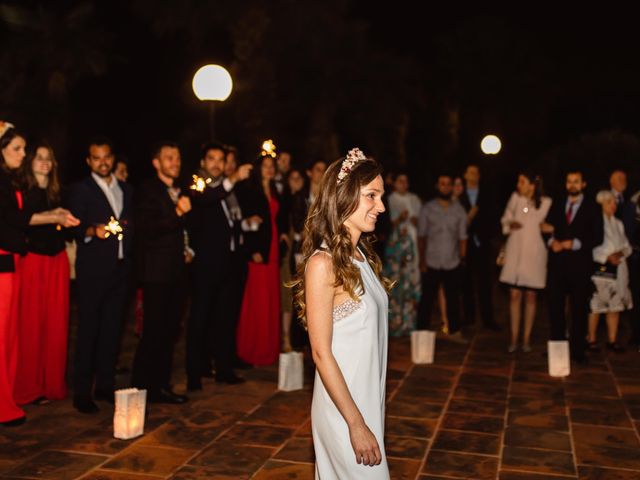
{"points": [[128, 419], [558, 355], [290, 371], [423, 346]]}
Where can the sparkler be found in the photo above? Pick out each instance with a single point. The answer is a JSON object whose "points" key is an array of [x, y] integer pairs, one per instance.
{"points": [[199, 183], [269, 148], [113, 228]]}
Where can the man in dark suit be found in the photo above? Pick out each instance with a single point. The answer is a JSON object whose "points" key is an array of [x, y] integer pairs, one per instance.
{"points": [[577, 229], [103, 263], [162, 255], [219, 269], [481, 223]]}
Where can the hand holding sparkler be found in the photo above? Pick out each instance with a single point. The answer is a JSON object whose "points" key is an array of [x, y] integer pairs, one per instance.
{"points": [[113, 227], [199, 183]]}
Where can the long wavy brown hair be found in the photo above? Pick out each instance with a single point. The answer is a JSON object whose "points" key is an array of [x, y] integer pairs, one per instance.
{"points": [[29, 179], [324, 229]]}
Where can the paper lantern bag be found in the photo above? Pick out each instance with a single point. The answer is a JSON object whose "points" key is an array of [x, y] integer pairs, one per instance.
{"points": [[423, 346], [558, 355], [290, 371], [128, 419]]}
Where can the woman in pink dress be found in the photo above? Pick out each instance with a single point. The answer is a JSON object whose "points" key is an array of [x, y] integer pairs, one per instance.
{"points": [[258, 332]]}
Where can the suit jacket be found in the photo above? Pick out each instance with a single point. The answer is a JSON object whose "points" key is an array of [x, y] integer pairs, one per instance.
{"points": [[159, 234], [485, 223], [254, 202], [627, 213], [90, 205], [586, 226], [13, 223], [209, 231]]}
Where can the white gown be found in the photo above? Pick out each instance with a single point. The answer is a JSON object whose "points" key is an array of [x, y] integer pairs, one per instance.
{"points": [[359, 345]]}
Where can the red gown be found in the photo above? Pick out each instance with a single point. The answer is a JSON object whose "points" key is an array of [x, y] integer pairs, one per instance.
{"points": [[42, 330], [259, 326], [9, 290]]}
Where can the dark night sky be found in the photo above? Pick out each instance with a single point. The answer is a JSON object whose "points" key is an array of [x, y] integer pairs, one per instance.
{"points": [[540, 77]]}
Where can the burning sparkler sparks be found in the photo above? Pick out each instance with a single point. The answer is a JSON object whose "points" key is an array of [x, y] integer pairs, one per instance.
{"points": [[113, 228]]}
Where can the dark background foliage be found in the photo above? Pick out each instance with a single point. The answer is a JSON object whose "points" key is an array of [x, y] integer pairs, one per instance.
{"points": [[416, 91]]}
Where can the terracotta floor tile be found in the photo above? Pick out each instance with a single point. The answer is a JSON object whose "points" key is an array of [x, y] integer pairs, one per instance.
{"points": [[537, 404], [403, 469], [57, 465], [485, 380], [472, 423], [298, 449], [225, 458], [540, 461], [605, 437], [275, 470], [409, 427], [190, 472], [541, 420], [536, 390], [405, 447], [112, 475], [149, 460], [601, 416], [595, 473], [467, 442], [479, 407], [177, 434], [257, 435], [520, 436], [399, 408], [511, 475], [461, 465]]}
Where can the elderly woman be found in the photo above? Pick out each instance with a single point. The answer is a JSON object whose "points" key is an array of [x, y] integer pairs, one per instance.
{"points": [[611, 277]]}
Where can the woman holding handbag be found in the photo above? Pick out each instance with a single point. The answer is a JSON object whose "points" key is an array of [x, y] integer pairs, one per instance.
{"points": [[525, 259], [611, 275]]}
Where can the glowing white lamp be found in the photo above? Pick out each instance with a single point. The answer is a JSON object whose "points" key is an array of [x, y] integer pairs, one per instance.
{"points": [[490, 145], [212, 82]]}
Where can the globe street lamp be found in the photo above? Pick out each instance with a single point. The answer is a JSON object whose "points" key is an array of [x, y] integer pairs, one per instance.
{"points": [[212, 83], [490, 145]]}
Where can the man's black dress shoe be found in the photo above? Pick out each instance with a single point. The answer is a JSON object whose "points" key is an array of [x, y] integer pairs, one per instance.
{"points": [[230, 378], [16, 422], [165, 395], [85, 405], [104, 395]]}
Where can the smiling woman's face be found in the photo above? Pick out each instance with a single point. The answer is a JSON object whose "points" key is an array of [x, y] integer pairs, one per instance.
{"points": [[14, 153], [369, 207]]}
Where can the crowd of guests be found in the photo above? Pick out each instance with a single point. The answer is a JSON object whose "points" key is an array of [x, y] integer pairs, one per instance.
{"points": [[223, 240], [581, 250], [228, 240]]}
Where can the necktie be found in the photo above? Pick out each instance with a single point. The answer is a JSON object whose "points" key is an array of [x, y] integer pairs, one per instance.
{"points": [[570, 212]]}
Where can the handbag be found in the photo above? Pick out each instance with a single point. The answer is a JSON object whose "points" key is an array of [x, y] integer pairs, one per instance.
{"points": [[605, 271]]}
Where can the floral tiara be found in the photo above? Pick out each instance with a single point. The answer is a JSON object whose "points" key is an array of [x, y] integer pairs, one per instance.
{"points": [[4, 126], [353, 157]]}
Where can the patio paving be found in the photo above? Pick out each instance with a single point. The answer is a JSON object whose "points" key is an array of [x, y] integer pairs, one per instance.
{"points": [[477, 412]]}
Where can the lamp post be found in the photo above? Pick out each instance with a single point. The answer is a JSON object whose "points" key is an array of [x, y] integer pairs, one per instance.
{"points": [[212, 83], [490, 145]]}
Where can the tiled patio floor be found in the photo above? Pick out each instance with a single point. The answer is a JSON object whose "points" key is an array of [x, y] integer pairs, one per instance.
{"points": [[477, 412]]}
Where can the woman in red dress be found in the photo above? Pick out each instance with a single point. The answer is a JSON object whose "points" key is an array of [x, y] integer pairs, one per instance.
{"points": [[259, 326], [44, 289], [14, 220]]}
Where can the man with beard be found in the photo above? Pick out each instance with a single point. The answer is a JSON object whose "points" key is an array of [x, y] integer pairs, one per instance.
{"points": [[161, 257], [442, 247], [577, 229], [103, 263], [215, 230]]}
